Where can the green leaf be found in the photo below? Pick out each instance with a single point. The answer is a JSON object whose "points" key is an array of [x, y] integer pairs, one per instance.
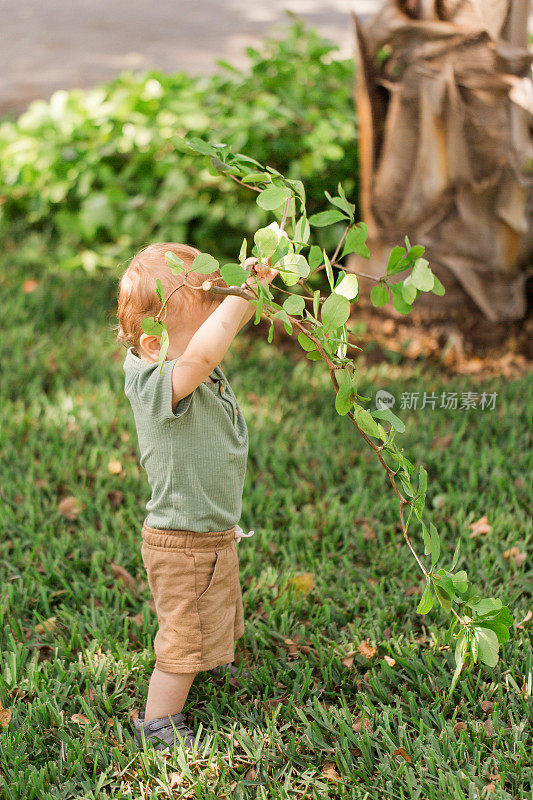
{"points": [[334, 312], [426, 601], [485, 606], [503, 616], [266, 240], [379, 295], [343, 398], [273, 197], [366, 421], [444, 598], [174, 262], [389, 416], [421, 276], [199, 146], [282, 315], [314, 355], [501, 630], [348, 287], [435, 543], [422, 480], [234, 274], [342, 203], [455, 558], [305, 342], [204, 264], [270, 331], [315, 256], [427, 540], [242, 251], [355, 241], [460, 653], [324, 218], [488, 646], [302, 230], [409, 291], [397, 299], [163, 349], [415, 252], [438, 288], [316, 302], [329, 271], [395, 260], [160, 291], [151, 327], [292, 267], [460, 581], [294, 304]]}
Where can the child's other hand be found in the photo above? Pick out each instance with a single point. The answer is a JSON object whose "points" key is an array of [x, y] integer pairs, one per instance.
{"points": [[262, 273]]}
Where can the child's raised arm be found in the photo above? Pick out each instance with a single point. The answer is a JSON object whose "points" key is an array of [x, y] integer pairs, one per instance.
{"points": [[211, 341]]}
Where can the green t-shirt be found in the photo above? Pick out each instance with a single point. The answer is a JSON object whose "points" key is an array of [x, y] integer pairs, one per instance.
{"points": [[195, 456]]}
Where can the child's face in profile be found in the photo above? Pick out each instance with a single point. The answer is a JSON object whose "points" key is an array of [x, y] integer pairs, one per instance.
{"points": [[179, 333]]}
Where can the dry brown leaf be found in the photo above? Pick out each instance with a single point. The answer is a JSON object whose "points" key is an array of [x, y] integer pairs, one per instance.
{"points": [[369, 534], [329, 772], [41, 483], [122, 574], [138, 619], [526, 619], [303, 582], [29, 285], [366, 649], [81, 718], [390, 661], [5, 716], [458, 727], [516, 556], [490, 788], [480, 527], [175, 779], [487, 705], [115, 498], [348, 658], [134, 714], [440, 442], [125, 436], [358, 722], [489, 726], [47, 626], [401, 752], [387, 633], [70, 507], [114, 467]]}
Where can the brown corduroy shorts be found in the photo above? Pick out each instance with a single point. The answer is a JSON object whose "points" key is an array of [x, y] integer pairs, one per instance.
{"points": [[194, 580]]}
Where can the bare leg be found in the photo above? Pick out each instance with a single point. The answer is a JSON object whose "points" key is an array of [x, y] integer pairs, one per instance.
{"points": [[167, 693]]}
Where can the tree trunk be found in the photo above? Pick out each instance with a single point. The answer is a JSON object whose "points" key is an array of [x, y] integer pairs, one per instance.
{"points": [[445, 102]]}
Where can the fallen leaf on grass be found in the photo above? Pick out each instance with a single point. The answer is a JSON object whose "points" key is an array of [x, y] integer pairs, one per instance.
{"points": [[516, 555], [358, 722], [348, 658], [366, 649], [489, 726], [5, 716], [114, 467], [303, 582], [122, 574], [81, 719], [292, 648], [134, 714], [526, 619], [390, 661], [115, 498], [138, 619], [369, 534], [441, 441], [47, 626], [487, 705], [401, 752], [458, 727], [175, 779], [329, 772], [481, 526], [29, 286], [70, 507]]}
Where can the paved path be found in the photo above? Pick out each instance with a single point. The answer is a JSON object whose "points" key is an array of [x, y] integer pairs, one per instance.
{"points": [[50, 44]]}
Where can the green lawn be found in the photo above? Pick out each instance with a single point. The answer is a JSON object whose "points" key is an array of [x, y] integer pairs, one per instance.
{"points": [[313, 722]]}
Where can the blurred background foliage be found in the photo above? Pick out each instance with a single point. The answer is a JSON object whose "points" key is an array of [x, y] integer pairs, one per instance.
{"points": [[96, 174]]}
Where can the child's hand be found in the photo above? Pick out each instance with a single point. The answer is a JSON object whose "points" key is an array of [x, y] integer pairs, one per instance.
{"points": [[262, 273]]}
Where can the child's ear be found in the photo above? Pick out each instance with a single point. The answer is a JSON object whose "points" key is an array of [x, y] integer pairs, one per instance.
{"points": [[150, 343]]}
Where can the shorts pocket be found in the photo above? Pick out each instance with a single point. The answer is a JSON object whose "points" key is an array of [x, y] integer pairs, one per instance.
{"points": [[215, 590]]}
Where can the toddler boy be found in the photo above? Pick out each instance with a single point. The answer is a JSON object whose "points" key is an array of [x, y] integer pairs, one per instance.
{"points": [[193, 443]]}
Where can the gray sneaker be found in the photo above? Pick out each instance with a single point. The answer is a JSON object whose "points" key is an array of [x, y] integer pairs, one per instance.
{"points": [[231, 669], [164, 732]]}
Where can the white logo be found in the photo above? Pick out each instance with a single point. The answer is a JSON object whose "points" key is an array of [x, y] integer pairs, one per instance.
{"points": [[384, 399]]}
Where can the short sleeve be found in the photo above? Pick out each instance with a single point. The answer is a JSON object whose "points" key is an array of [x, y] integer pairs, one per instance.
{"points": [[154, 393]]}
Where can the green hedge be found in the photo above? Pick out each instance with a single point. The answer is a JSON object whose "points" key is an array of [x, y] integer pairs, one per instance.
{"points": [[93, 175]]}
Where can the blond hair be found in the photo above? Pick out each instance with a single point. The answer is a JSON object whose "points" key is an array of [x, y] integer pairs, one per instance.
{"points": [[137, 297]]}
